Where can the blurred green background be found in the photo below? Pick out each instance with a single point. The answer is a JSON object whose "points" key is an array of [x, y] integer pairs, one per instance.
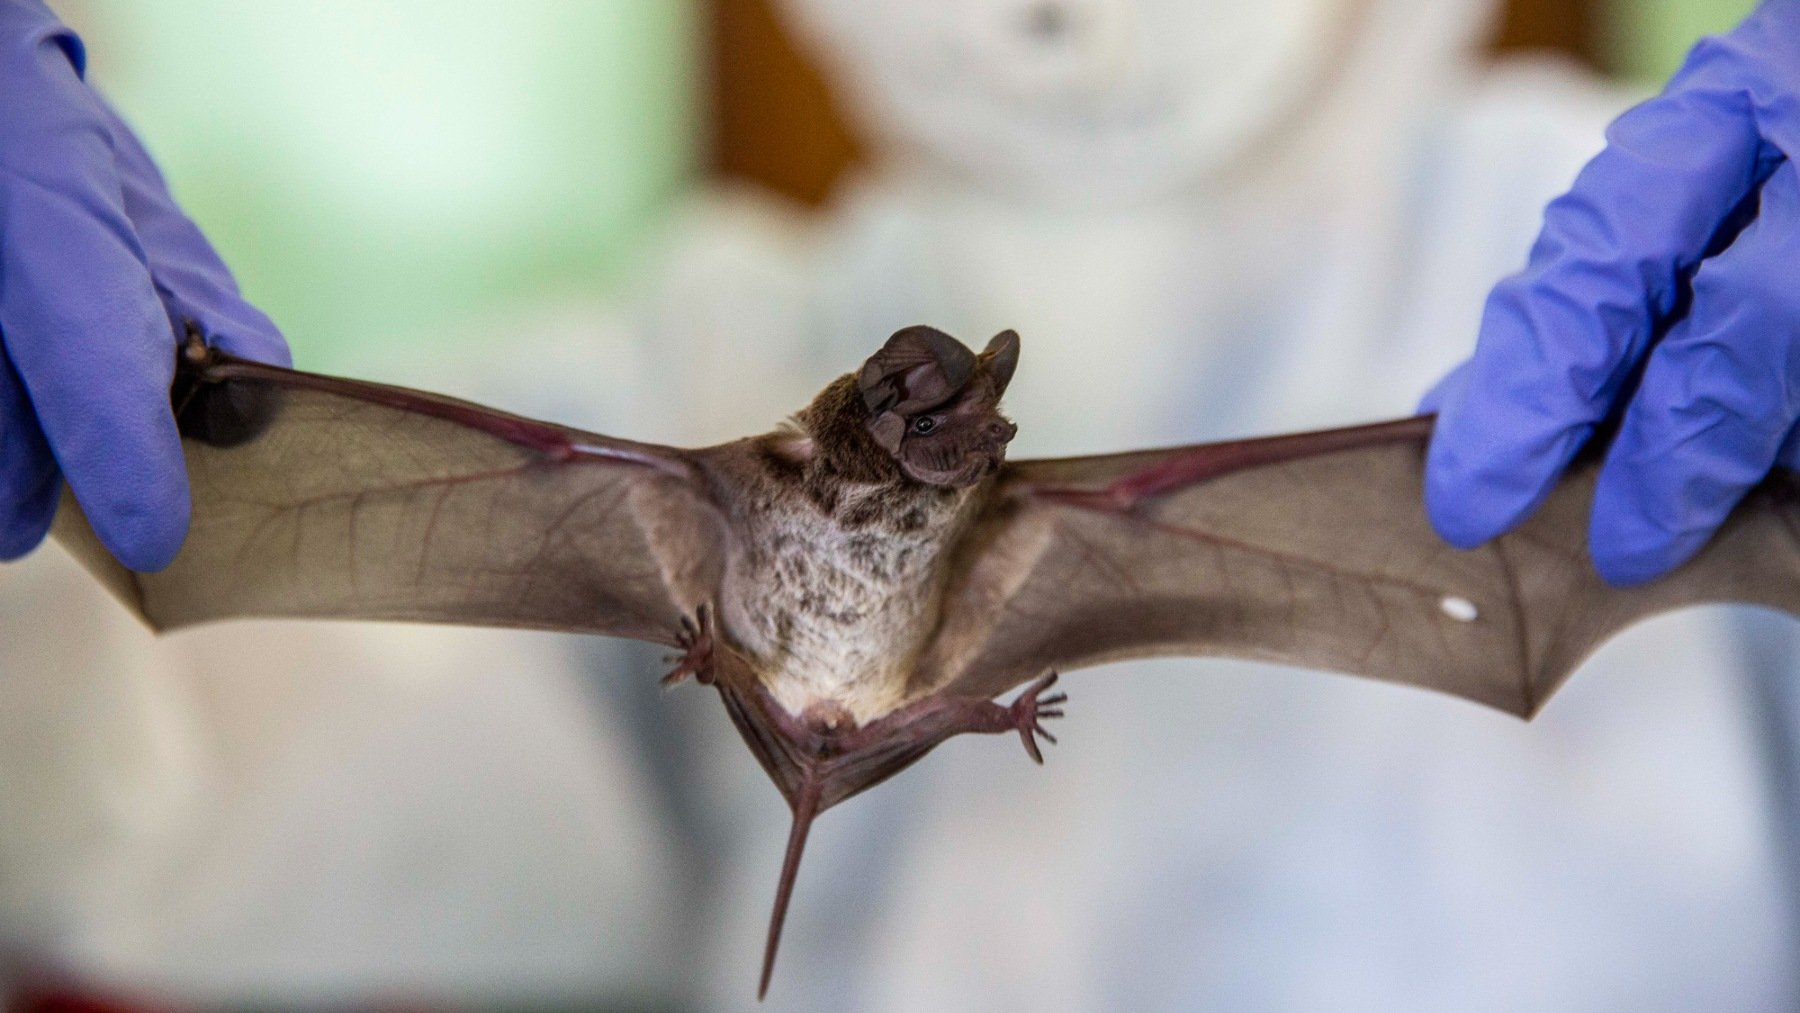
{"points": [[1646, 39], [409, 173], [406, 171]]}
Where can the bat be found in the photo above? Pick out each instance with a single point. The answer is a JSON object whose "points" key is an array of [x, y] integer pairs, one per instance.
{"points": [[861, 583]]}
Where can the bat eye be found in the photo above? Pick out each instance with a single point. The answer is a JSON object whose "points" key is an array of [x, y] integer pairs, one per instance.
{"points": [[924, 425]]}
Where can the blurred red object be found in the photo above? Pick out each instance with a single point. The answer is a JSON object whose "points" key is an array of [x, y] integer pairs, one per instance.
{"points": [[60, 999]]}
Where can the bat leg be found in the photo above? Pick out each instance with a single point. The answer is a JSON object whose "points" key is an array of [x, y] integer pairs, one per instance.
{"points": [[935, 719], [891, 743], [696, 657]]}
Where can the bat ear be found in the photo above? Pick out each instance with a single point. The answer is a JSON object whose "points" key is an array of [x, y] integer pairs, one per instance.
{"points": [[1002, 357], [919, 367], [888, 428]]}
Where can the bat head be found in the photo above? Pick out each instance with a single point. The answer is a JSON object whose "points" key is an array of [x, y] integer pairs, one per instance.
{"points": [[934, 406]]}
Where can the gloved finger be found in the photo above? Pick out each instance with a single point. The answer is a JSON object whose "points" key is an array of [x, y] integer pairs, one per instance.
{"points": [[1496, 450], [82, 321], [1451, 382], [1789, 454], [1719, 398], [1560, 339], [29, 481], [194, 283]]}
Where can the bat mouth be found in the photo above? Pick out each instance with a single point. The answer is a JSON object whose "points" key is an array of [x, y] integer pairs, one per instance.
{"points": [[972, 471]]}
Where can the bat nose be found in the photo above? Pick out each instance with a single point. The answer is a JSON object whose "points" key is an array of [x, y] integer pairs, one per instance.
{"points": [[1002, 432]]}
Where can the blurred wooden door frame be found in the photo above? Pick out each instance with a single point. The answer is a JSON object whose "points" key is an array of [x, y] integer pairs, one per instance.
{"points": [[772, 122]]}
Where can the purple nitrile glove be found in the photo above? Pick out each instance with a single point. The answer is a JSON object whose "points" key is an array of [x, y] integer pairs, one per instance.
{"points": [[1640, 267], [99, 272]]}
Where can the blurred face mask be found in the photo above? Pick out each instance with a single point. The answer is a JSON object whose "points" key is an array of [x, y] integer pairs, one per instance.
{"points": [[1081, 99]]}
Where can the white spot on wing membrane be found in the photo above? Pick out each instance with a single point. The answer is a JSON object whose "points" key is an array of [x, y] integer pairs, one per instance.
{"points": [[1458, 608]]}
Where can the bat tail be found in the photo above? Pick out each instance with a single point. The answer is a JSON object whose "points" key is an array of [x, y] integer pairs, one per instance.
{"points": [[806, 806]]}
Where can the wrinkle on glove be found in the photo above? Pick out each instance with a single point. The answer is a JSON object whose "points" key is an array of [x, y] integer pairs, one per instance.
{"points": [[1646, 268], [99, 271]]}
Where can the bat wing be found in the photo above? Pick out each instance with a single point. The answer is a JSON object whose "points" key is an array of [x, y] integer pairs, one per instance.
{"points": [[1312, 550], [327, 498]]}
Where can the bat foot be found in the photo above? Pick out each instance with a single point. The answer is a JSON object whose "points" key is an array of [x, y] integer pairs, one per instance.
{"points": [[696, 640], [1031, 709]]}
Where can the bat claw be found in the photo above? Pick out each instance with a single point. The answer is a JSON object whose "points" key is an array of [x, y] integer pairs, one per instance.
{"points": [[696, 640], [1029, 712], [1031, 747]]}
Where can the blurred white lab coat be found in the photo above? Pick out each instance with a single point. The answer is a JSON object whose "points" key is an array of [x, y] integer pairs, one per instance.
{"points": [[298, 814], [1216, 835], [331, 811]]}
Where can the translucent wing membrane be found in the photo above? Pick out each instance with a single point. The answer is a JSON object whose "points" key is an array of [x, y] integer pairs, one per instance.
{"points": [[1314, 550], [326, 498]]}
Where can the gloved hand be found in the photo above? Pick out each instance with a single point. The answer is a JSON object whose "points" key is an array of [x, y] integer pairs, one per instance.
{"points": [[99, 270], [1642, 266]]}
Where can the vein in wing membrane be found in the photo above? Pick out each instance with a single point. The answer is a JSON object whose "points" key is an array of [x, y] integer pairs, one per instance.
{"points": [[359, 501], [1285, 553], [1314, 550]]}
